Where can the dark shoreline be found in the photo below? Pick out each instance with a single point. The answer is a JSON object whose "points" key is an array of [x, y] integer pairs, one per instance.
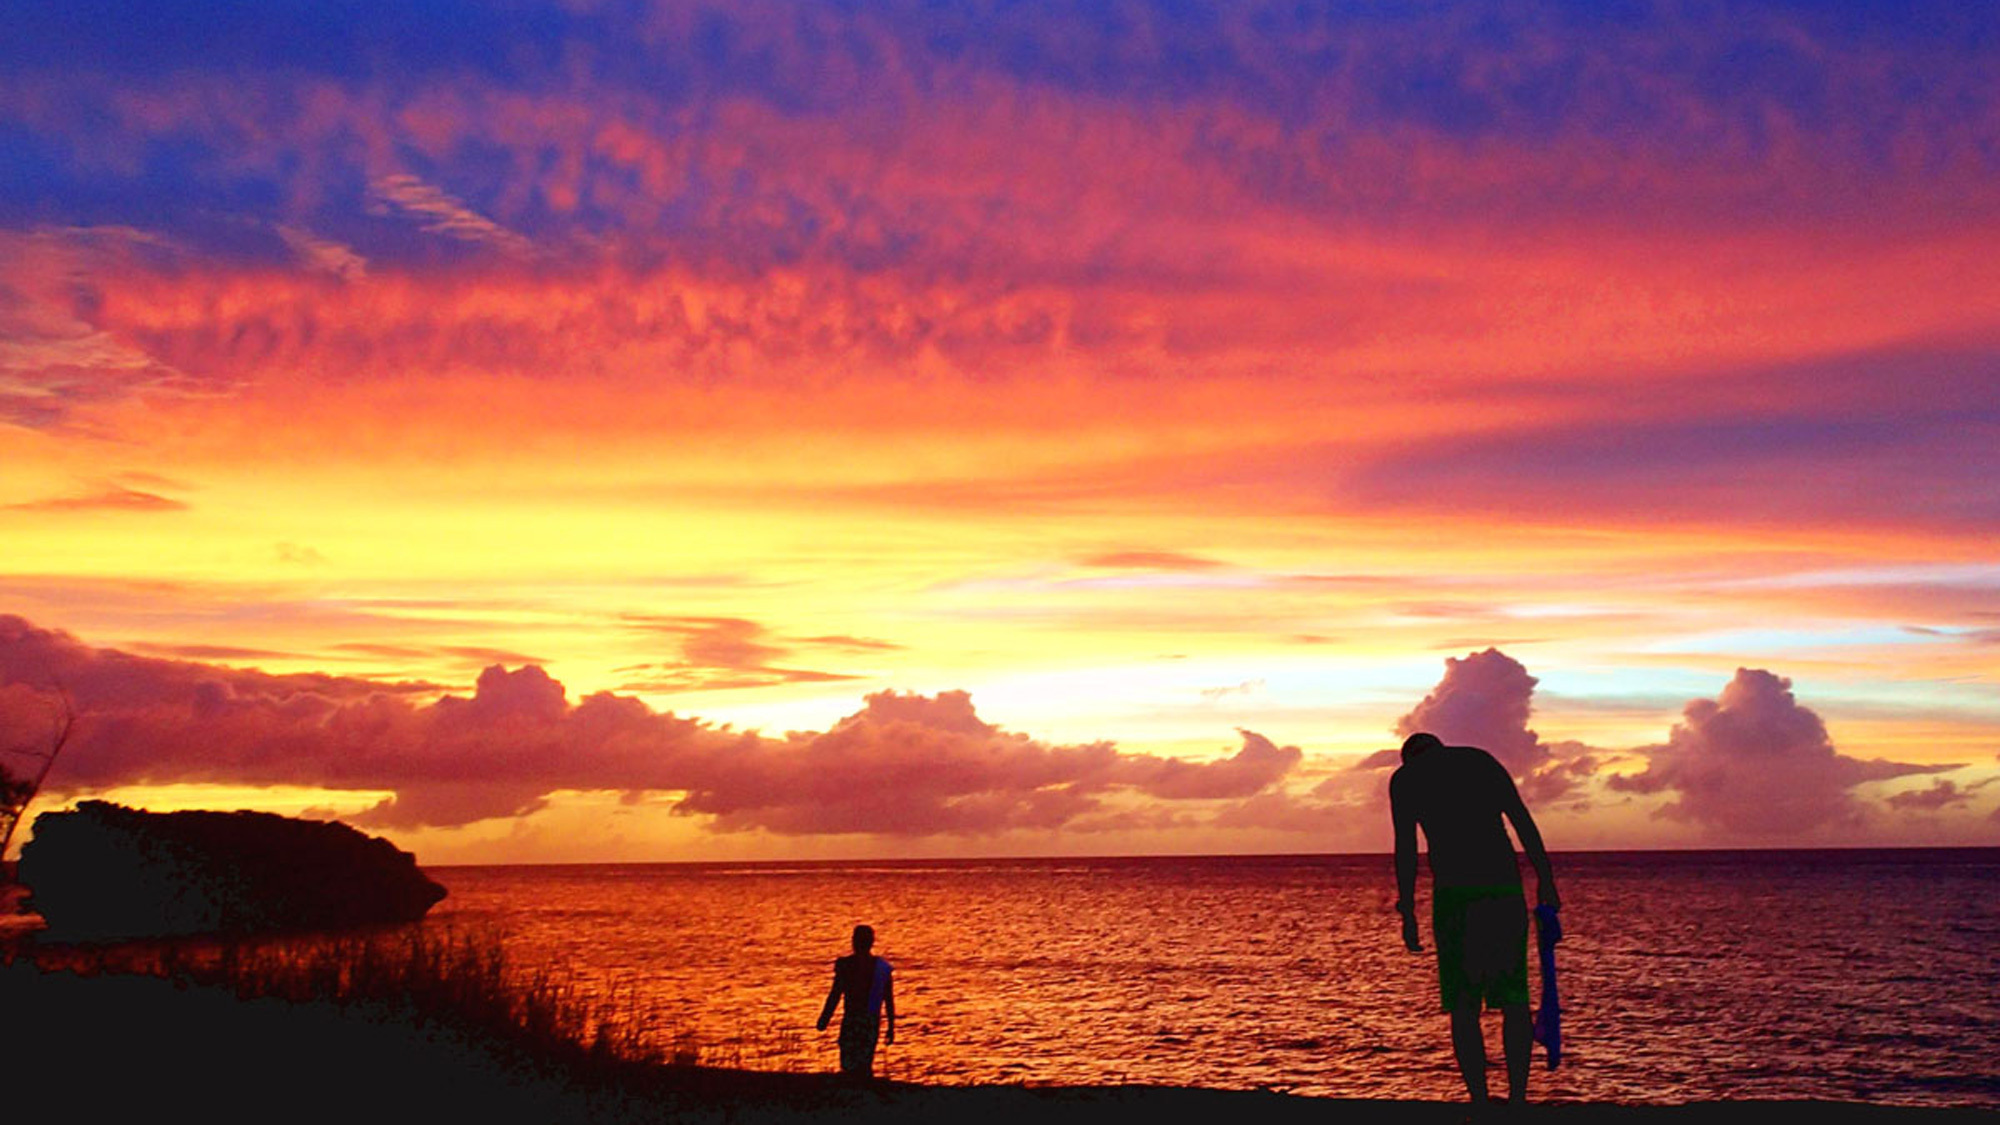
{"points": [[111, 1045]]}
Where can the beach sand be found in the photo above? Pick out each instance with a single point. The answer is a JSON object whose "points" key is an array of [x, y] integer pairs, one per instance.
{"points": [[129, 1048]]}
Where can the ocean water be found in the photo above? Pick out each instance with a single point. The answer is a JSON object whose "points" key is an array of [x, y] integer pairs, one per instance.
{"points": [[1850, 975]]}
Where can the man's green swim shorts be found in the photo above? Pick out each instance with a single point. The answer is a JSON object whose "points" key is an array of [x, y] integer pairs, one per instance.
{"points": [[1481, 933]]}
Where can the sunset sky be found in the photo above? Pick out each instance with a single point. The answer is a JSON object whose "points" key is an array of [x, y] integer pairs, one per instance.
{"points": [[657, 431]]}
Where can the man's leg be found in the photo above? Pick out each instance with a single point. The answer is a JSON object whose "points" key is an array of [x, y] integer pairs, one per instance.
{"points": [[847, 1059], [1496, 972], [1517, 1034], [857, 1047], [1470, 1047], [866, 1050]]}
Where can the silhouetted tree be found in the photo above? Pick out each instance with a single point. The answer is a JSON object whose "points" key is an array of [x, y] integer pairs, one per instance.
{"points": [[22, 769]]}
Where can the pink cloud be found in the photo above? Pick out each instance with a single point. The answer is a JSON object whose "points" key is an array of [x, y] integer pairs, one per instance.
{"points": [[919, 764], [1251, 770], [1753, 764], [904, 764], [111, 680], [1354, 824], [1483, 700]]}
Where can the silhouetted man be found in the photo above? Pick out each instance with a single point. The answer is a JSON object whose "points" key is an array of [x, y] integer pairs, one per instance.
{"points": [[862, 988], [1479, 920]]}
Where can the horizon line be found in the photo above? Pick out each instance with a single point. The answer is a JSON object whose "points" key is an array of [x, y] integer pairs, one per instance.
{"points": [[1131, 856]]}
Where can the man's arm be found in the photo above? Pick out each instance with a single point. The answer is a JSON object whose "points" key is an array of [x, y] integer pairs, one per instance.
{"points": [[889, 1005], [1406, 863], [1531, 842], [832, 999]]}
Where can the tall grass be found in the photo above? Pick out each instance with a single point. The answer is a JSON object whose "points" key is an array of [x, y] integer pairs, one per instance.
{"points": [[457, 978], [451, 978]]}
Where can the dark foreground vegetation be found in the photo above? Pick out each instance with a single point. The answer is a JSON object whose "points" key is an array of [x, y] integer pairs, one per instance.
{"points": [[422, 1026]]}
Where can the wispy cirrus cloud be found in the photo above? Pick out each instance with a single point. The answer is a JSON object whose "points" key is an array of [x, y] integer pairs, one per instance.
{"points": [[111, 499], [325, 254], [438, 212], [1150, 560], [728, 653], [477, 656], [1302, 230]]}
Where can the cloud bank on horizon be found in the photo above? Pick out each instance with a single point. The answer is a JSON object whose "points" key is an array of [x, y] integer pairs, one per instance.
{"points": [[1752, 766]]}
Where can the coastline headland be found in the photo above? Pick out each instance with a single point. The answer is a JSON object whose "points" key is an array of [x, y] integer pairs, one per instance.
{"points": [[103, 871]]}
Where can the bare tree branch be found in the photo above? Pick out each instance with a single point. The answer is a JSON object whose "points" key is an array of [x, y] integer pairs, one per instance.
{"points": [[17, 791]]}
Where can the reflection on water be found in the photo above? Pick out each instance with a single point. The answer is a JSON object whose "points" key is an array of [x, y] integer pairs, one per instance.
{"points": [[1849, 975]]}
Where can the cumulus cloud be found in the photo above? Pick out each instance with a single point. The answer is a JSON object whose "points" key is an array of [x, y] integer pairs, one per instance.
{"points": [[907, 765], [1572, 768], [1485, 700], [1754, 764], [1252, 769], [904, 764], [916, 764], [1351, 823]]}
